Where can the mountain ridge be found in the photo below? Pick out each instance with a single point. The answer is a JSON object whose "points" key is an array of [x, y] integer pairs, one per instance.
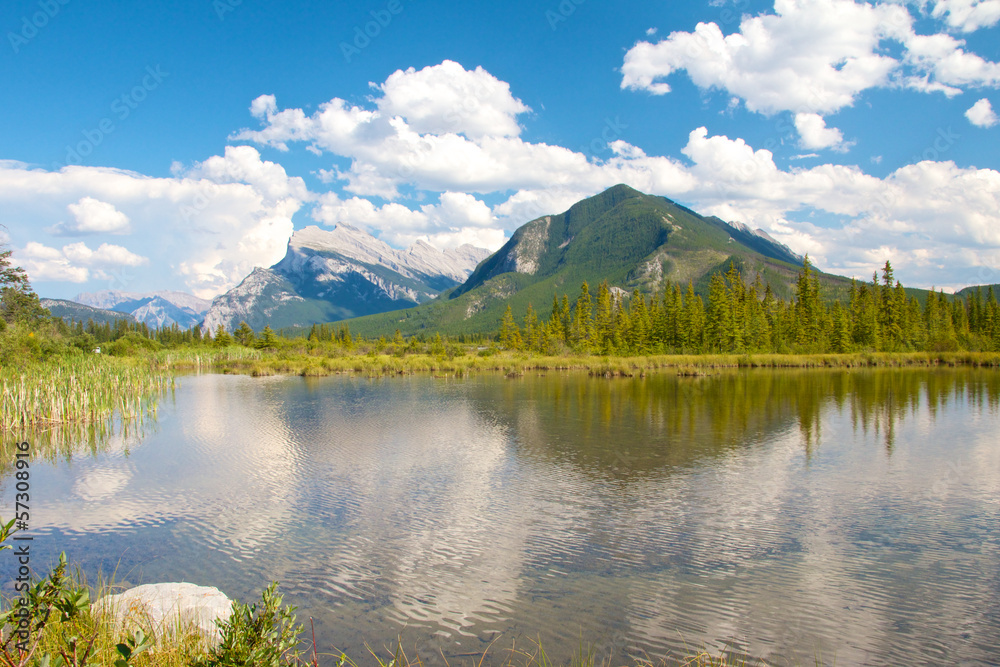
{"points": [[155, 309], [343, 272]]}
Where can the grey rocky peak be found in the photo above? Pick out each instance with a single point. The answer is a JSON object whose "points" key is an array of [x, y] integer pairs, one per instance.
{"points": [[156, 309], [333, 274]]}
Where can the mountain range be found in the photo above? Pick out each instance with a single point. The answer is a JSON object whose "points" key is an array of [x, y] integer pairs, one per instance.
{"points": [[632, 240], [156, 309]]}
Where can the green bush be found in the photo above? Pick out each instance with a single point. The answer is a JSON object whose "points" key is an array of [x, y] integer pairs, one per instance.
{"points": [[130, 344], [265, 636]]}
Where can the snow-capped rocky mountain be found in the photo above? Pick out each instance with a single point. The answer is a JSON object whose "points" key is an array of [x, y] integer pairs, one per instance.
{"points": [[156, 309], [329, 275]]}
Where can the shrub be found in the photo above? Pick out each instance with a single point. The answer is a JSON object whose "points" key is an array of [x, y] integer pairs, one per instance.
{"points": [[265, 636], [131, 343]]}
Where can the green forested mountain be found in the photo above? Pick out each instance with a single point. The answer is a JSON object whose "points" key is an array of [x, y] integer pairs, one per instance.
{"points": [[970, 292], [631, 240]]}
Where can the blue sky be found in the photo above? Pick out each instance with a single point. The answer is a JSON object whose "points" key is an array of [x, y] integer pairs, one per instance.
{"points": [[177, 145]]}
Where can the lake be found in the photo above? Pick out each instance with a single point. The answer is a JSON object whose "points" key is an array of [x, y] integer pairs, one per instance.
{"points": [[801, 516]]}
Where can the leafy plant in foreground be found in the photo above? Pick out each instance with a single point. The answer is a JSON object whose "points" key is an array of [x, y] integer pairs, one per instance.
{"points": [[131, 647], [55, 595], [258, 636]]}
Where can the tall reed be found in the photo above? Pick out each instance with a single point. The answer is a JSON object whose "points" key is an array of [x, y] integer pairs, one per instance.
{"points": [[81, 390]]}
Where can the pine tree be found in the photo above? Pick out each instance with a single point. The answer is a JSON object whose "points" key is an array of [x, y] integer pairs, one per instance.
{"points": [[604, 321], [771, 316], [992, 318], [890, 312], [555, 319], [222, 337], [244, 334], [639, 324], [692, 321], [345, 338], [565, 322], [960, 319], [718, 316], [510, 336], [736, 296], [583, 325], [672, 301], [841, 338], [622, 330], [975, 310], [657, 322], [18, 302], [807, 306], [864, 313], [758, 334], [532, 331], [268, 340], [437, 345]]}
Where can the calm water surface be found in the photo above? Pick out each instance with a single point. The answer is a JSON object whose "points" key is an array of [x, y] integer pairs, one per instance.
{"points": [[802, 517]]}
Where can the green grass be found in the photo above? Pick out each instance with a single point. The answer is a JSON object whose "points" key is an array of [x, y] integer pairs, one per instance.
{"points": [[319, 364], [86, 392]]}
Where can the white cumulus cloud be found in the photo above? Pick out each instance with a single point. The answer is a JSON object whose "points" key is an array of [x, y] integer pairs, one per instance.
{"points": [[722, 176], [817, 56], [967, 15], [76, 262], [92, 216], [981, 114], [814, 134], [809, 56], [212, 222], [448, 98]]}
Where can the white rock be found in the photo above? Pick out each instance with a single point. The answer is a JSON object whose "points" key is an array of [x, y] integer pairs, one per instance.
{"points": [[163, 608]]}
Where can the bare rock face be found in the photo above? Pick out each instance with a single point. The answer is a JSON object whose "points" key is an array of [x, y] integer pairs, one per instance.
{"points": [[165, 609], [524, 257]]}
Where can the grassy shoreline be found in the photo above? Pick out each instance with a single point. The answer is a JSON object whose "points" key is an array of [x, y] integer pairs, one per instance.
{"points": [[93, 389], [263, 364]]}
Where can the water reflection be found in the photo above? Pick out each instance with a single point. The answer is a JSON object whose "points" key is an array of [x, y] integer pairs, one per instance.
{"points": [[847, 515]]}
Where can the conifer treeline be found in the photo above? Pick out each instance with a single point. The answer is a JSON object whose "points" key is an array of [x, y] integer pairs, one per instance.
{"points": [[741, 318], [90, 333], [737, 317]]}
